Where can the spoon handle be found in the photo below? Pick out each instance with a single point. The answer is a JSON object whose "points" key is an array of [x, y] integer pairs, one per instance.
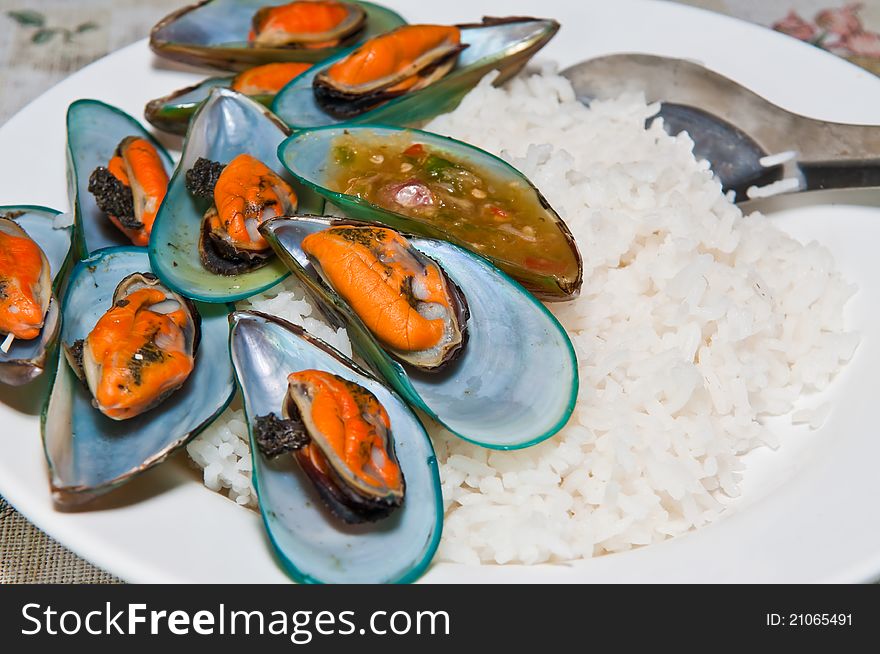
{"points": [[827, 155], [835, 155]]}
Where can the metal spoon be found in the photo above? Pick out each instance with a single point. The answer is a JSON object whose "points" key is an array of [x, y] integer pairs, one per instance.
{"points": [[736, 130]]}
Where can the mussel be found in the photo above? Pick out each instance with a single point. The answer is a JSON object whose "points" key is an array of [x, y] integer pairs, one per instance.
{"points": [[25, 284], [244, 193], [131, 187], [437, 187], [404, 297], [29, 317], [307, 24], [238, 34], [395, 476], [118, 175], [341, 437], [205, 244], [411, 74], [172, 113], [405, 60], [90, 452], [140, 351], [487, 391], [24, 230], [268, 79]]}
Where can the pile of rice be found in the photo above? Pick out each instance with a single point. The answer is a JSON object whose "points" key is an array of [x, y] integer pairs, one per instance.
{"points": [[694, 324]]}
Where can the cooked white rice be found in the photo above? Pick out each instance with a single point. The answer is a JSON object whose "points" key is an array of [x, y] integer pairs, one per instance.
{"points": [[693, 325]]}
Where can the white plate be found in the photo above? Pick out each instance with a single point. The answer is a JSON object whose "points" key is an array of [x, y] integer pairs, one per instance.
{"points": [[810, 511]]}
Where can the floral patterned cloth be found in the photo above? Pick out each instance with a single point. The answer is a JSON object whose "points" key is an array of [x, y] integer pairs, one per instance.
{"points": [[43, 41], [839, 30]]}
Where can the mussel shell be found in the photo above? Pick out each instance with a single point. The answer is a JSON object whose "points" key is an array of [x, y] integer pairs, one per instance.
{"points": [[313, 545], [308, 156], [505, 45], [26, 360], [214, 33], [172, 113], [346, 102], [515, 382], [94, 130], [227, 124], [88, 453]]}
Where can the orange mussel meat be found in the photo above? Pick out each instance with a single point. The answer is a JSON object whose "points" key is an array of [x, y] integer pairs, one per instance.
{"points": [[25, 283], [307, 24], [244, 193], [353, 424], [349, 449], [406, 59], [131, 188], [267, 79], [140, 351], [403, 297]]}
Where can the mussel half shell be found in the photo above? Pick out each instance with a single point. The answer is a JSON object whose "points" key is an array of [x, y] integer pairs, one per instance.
{"points": [[505, 45], [226, 125], [25, 360], [312, 544], [308, 155], [415, 56], [513, 385], [94, 131], [215, 33], [88, 453], [172, 113]]}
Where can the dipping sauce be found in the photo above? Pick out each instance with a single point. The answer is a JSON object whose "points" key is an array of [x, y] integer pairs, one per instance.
{"points": [[502, 219]]}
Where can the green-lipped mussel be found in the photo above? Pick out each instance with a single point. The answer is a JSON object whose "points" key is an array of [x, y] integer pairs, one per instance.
{"points": [[172, 113], [305, 508], [412, 74], [90, 453], [113, 162], [238, 34], [437, 187], [486, 391], [204, 223], [341, 437], [405, 298], [140, 351], [34, 255]]}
